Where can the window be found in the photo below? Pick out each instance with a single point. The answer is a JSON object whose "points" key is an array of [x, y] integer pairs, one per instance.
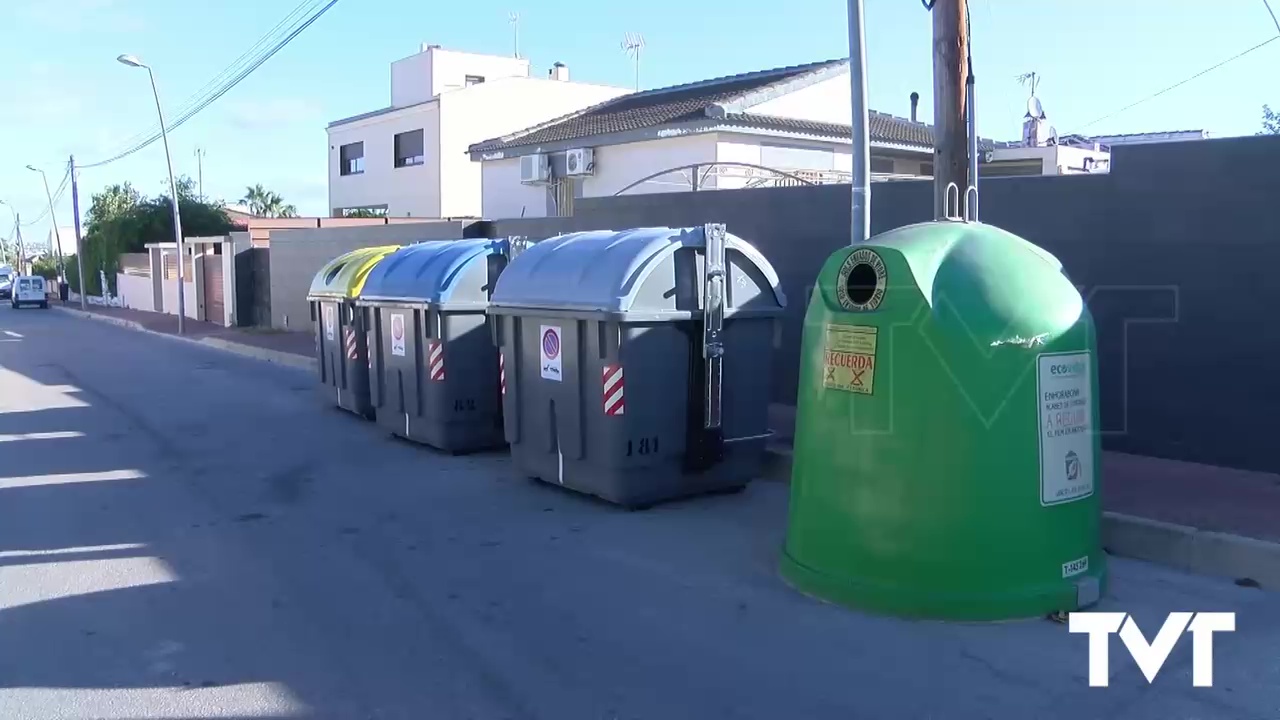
{"points": [[409, 148], [794, 157], [351, 159], [474, 80], [926, 169], [882, 165]]}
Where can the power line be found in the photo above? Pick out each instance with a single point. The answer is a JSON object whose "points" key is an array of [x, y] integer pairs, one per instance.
{"points": [[57, 195], [1272, 14], [237, 64], [1178, 84], [223, 90]]}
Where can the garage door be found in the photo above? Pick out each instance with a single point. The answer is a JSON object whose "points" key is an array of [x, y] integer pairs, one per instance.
{"points": [[213, 302]]}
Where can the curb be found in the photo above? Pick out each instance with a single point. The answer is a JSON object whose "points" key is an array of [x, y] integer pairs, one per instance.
{"points": [[256, 353], [1181, 547]]}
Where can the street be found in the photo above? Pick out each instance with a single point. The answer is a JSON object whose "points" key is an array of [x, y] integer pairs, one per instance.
{"points": [[185, 533]]}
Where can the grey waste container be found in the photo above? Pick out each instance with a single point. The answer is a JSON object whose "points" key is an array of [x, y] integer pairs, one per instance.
{"points": [[614, 380], [342, 351], [434, 369]]}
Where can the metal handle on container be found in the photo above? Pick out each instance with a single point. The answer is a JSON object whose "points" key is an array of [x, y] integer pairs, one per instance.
{"points": [[951, 202], [971, 192], [713, 322]]}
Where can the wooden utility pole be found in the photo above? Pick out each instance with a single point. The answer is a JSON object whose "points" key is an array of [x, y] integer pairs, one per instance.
{"points": [[950, 137]]}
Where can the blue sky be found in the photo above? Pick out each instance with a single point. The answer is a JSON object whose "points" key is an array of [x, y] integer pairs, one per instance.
{"points": [[64, 93]]}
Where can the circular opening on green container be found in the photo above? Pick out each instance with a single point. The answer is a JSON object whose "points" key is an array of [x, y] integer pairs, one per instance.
{"points": [[861, 283]]}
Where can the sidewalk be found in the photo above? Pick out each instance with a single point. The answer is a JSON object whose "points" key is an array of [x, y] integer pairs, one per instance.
{"points": [[1200, 518], [295, 349]]}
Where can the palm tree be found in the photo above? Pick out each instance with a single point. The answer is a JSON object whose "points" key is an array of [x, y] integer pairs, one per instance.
{"points": [[266, 203]]}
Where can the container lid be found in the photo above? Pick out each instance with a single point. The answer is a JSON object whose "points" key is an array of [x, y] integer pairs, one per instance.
{"points": [[344, 276], [654, 273], [442, 272]]}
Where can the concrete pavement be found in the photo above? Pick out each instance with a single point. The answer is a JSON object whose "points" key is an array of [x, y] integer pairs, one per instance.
{"points": [[186, 534]]}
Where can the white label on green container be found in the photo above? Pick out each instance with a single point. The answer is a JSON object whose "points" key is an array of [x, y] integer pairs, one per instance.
{"points": [[1064, 397], [1075, 567]]}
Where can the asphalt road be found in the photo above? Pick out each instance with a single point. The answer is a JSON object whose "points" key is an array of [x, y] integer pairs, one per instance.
{"points": [[189, 534]]}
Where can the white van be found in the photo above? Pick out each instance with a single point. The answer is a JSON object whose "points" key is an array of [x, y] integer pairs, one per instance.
{"points": [[29, 290]]}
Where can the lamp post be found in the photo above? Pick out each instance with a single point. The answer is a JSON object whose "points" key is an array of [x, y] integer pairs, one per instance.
{"points": [[132, 61], [53, 218]]}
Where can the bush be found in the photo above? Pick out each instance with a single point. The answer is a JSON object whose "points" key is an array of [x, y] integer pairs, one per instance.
{"points": [[46, 267]]}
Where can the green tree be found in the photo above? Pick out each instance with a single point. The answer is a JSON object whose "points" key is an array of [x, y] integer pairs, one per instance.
{"points": [[113, 201], [121, 220], [266, 203], [1270, 121], [46, 267]]}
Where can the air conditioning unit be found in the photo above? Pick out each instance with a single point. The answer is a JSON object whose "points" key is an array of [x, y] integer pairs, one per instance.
{"points": [[579, 161], [534, 169]]}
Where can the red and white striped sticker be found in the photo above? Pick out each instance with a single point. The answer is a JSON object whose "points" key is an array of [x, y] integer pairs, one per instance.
{"points": [[349, 339], [614, 404], [502, 372], [435, 360]]}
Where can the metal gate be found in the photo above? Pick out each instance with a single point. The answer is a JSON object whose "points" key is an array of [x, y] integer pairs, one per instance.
{"points": [[213, 297]]}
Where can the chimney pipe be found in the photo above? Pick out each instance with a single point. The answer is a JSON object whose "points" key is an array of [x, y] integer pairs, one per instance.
{"points": [[915, 100], [559, 71]]}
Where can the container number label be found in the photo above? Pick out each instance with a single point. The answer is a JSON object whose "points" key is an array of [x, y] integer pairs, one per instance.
{"points": [[643, 446], [1075, 567], [1064, 388], [849, 358]]}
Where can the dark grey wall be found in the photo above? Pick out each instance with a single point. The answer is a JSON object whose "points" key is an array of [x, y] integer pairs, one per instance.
{"points": [[297, 255], [1174, 251]]}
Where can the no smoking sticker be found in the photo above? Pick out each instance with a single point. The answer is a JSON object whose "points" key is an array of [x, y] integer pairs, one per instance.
{"points": [[849, 358]]}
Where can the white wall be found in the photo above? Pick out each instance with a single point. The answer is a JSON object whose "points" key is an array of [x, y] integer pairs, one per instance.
{"points": [[137, 293], [616, 167], [412, 191], [504, 197], [620, 165], [411, 80], [449, 69], [422, 76], [494, 109], [825, 101], [735, 148], [192, 308]]}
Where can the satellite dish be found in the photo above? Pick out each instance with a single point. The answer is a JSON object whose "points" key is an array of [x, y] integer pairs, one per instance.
{"points": [[1034, 109]]}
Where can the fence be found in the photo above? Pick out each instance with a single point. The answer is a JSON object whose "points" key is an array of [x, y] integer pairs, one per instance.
{"points": [[135, 265], [1174, 250]]}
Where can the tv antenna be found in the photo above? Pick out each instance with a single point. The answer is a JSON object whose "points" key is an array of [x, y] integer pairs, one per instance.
{"points": [[632, 44], [1034, 108], [514, 19]]}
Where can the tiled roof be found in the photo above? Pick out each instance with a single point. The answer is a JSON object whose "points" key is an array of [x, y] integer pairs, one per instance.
{"points": [[652, 108], [698, 102]]}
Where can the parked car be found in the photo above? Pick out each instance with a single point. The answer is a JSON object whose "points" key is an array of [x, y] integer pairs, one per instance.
{"points": [[6, 286], [29, 290]]}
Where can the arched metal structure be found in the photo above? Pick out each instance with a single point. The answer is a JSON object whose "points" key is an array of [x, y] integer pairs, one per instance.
{"points": [[695, 181]]}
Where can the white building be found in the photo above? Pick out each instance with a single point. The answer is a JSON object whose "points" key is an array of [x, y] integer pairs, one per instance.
{"points": [[410, 159], [784, 126]]}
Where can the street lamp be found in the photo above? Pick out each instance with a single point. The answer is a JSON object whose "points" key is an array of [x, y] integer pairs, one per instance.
{"points": [[132, 61], [57, 237]]}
